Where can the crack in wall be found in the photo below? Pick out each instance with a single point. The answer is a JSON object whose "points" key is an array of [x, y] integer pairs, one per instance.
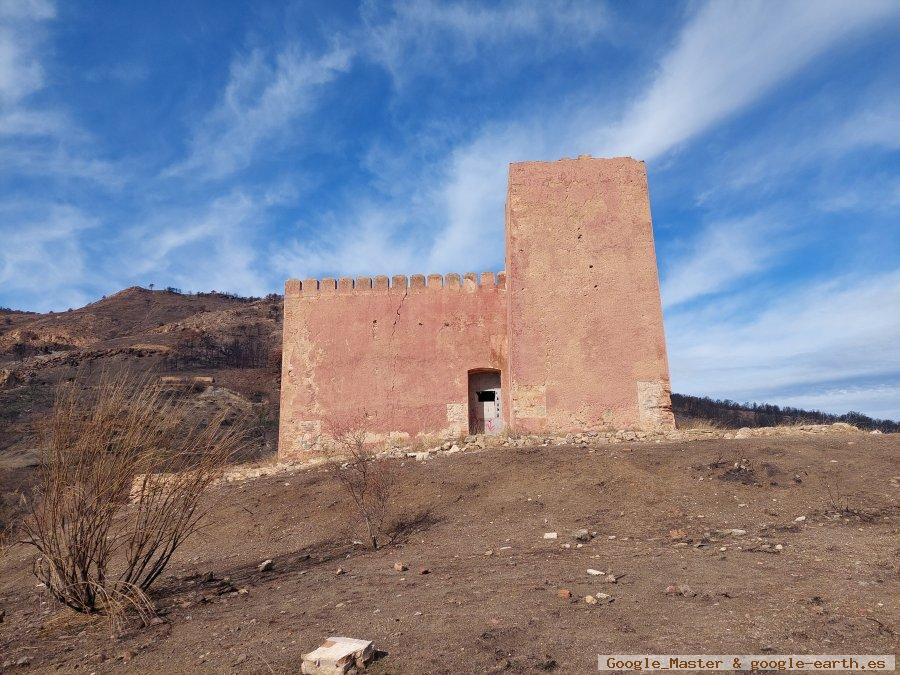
{"points": [[391, 344], [397, 318]]}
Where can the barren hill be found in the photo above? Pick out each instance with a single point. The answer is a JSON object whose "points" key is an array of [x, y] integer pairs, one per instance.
{"points": [[235, 341]]}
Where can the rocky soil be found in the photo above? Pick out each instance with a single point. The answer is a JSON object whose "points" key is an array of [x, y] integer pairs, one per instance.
{"points": [[524, 558]]}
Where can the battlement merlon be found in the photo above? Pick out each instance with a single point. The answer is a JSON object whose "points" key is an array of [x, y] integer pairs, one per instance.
{"points": [[470, 281]]}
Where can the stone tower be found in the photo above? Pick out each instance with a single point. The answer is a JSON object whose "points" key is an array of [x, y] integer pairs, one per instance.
{"points": [[586, 341]]}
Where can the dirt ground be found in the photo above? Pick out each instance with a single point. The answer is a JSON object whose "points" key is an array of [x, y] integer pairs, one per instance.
{"points": [[663, 514]]}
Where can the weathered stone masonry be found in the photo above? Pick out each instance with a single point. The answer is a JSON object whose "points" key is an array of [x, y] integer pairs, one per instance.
{"points": [[569, 338]]}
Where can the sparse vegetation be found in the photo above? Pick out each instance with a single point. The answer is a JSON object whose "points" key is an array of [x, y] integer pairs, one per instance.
{"points": [[731, 414], [366, 478], [247, 347], [123, 469]]}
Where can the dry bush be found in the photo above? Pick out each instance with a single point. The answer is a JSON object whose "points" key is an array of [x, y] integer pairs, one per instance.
{"points": [[124, 466], [366, 478]]}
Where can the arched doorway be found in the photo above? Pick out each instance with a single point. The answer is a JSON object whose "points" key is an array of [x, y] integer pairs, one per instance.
{"points": [[485, 408]]}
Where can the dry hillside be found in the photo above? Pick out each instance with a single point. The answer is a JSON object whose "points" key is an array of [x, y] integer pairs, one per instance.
{"points": [[775, 544], [235, 341]]}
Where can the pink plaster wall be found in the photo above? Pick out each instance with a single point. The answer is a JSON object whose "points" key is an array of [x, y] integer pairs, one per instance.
{"points": [[575, 327], [400, 353], [586, 342]]}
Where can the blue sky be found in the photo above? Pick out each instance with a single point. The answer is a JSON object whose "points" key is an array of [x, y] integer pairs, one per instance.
{"points": [[211, 145]]}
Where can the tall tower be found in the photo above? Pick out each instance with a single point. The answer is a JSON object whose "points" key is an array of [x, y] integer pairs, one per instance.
{"points": [[585, 329]]}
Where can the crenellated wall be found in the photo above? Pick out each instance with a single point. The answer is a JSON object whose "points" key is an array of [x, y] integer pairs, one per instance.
{"points": [[395, 352], [575, 330]]}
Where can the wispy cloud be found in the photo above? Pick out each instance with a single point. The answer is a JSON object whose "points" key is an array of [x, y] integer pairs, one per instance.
{"points": [[802, 340], [726, 58], [20, 34], [261, 100], [43, 256], [206, 246], [413, 38], [364, 247], [723, 254]]}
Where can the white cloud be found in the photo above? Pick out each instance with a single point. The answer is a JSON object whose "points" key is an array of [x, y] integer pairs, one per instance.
{"points": [[363, 242], [877, 124], [20, 34], [729, 55], [420, 36], [804, 338], [42, 258], [722, 254], [471, 197], [27, 9], [726, 57], [259, 104], [202, 248]]}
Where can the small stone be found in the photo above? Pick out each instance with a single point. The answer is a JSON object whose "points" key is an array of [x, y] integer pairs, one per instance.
{"points": [[339, 571], [424, 570], [127, 655], [799, 519], [564, 593], [595, 573], [400, 567], [243, 591], [604, 597], [581, 535], [738, 533], [489, 553], [590, 599], [686, 591], [23, 661], [265, 565], [779, 547], [610, 578], [549, 535]]}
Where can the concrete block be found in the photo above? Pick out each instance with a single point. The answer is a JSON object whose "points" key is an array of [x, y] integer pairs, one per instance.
{"points": [[337, 655]]}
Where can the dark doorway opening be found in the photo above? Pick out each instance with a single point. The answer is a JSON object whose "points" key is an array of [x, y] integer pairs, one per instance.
{"points": [[485, 409]]}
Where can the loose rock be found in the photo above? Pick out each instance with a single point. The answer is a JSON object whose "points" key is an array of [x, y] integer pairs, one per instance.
{"points": [[337, 655], [581, 535], [265, 565]]}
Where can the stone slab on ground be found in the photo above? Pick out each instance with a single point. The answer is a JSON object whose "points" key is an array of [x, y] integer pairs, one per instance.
{"points": [[337, 655]]}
